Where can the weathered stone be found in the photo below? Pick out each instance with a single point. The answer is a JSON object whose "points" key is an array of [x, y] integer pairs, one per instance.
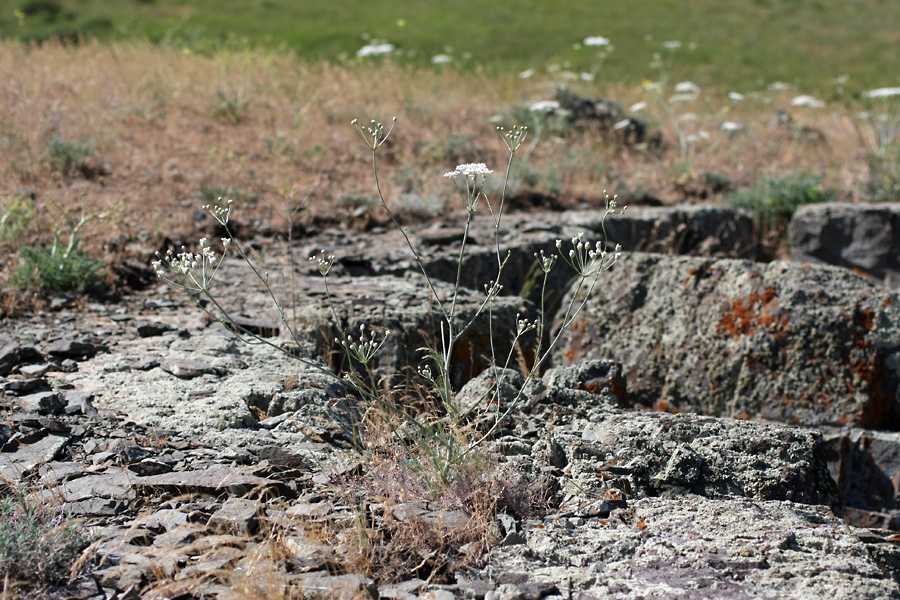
{"points": [[862, 236], [599, 377], [338, 587], [238, 516], [235, 481], [186, 368], [13, 354], [78, 402], [94, 507], [650, 454], [241, 324], [809, 345], [14, 465], [74, 348], [45, 403], [406, 308], [693, 547], [152, 329]]}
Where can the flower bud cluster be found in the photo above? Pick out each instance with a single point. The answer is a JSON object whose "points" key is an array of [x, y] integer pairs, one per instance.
{"points": [[220, 213], [363, 348], [524, 325], [547, 262], [374, 134], [587, 261], [514, 137], [193, 272], [323, 262]]}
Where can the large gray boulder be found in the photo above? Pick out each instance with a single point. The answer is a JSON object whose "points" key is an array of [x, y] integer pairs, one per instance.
{"points": [[799, 344], [692, 547], [863, 236]]}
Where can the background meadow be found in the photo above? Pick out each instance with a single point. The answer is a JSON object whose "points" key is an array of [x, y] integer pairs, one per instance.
{"points": [[130, 115]]}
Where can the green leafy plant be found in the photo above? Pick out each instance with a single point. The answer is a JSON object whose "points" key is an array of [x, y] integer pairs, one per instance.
{"points": [[231, 108], [58, 269], [36, 546], [71, 157], [16, 215], [773, 200]]}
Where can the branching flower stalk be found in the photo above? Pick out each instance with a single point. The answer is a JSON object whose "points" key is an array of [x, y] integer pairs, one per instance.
{"points": [[194, 273]]}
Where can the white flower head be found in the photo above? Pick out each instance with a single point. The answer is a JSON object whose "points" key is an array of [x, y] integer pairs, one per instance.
{"points": [[375, 49], [731, 126], [735, 96], [469, 170], [672, 45], [441, 59], [808, 101], [544, 106], [638, 107], [596, 40], [526, 74], [687, 87], [883, 92]]}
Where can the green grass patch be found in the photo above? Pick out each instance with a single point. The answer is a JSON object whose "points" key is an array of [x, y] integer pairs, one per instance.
{"points": [[739, 45], [36, 549]]}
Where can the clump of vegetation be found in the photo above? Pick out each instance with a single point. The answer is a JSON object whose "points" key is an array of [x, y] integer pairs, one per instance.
{"points": [[58, 269], [230, 108], [71, 157], [773, 200], [37, 548], [16, 215]]}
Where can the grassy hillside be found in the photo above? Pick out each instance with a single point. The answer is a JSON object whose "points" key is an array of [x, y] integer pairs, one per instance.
{"points": [[736, 45]]}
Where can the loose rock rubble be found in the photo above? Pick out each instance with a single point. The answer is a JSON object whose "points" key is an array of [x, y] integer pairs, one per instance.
{"points": [[180, 446]]}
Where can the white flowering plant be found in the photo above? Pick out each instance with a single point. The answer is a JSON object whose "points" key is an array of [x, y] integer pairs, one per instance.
{"points": [[447, 439]]}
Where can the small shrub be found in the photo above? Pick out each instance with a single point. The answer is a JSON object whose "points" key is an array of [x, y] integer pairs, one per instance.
{"points": [[59, 270], [36, 548], [50, 9], [773, 200], [883, 184], [15, 216], [228, 108], [71, 157]]}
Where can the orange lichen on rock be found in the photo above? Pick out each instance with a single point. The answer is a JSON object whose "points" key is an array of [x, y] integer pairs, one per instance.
{"points": [[748, 314]]}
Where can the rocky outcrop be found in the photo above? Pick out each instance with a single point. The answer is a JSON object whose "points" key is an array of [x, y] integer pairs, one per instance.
{"points": [[688, 546], [860, 236], [798, 344]]}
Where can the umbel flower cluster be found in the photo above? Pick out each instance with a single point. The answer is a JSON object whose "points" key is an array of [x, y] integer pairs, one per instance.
{"points": [[193, 272]]}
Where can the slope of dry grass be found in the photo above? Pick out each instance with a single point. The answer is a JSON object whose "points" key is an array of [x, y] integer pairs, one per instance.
{"points": [[143, 135]]}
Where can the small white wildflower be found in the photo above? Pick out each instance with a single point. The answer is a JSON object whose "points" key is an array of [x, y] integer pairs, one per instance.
{"points": [[735, 96], [469, 170], [883, 92], [441, 59], [586, 76], [526, 74], [544, 106], [731, 126], [596, 40], [638, 107], [687, 87], [672, 45], [808, 101], [375, 49]]}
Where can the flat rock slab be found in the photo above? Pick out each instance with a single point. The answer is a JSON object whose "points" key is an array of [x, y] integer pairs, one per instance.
{"points": [[864, 236], [800, 344], [235, 481], [19, 463], [695, 547], [639, 454]]}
